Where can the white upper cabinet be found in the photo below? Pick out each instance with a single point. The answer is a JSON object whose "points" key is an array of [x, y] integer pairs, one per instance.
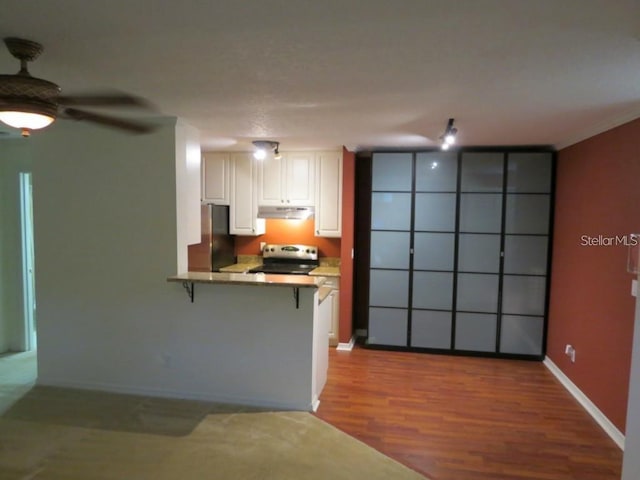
{"points": [[287, 181], [271, 181], [300, 176], [215, 178], [328, 214], [243, 209]]}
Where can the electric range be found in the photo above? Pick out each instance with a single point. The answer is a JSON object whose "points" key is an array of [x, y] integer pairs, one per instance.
{"points": [[288, 259]]}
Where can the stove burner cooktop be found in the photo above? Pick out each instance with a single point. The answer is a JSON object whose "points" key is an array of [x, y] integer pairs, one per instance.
{"points": [[288, 259], [283, 268]]}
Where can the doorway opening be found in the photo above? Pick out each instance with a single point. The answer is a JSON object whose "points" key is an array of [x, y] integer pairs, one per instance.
{"points": [[28, 262]]}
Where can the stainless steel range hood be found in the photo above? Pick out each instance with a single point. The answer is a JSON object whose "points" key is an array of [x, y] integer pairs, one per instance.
{"points": [[291, 213]]}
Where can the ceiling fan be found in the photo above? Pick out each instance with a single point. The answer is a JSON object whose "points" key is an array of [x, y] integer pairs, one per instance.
{"points": [[30, 103]]}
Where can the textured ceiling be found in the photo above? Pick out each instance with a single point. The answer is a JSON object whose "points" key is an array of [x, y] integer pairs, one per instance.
{"points": [[359, 73]]}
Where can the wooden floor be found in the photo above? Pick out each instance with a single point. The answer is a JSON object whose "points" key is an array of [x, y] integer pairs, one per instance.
{"points": [[460, 418]]}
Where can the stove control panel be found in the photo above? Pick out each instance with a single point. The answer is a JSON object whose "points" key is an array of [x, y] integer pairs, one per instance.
{"points": [[302, 252]]}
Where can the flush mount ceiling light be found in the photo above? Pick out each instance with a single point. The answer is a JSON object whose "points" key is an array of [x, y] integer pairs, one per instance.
{"points": [[449, 136], [262, 147]]}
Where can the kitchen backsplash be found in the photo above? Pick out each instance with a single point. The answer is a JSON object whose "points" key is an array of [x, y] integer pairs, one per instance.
{"points": [[324, 261], [249, 259], [329, 261], [288, 231]]}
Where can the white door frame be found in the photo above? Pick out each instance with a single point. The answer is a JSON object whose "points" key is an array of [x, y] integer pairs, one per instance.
{"points": [[28, 263]]}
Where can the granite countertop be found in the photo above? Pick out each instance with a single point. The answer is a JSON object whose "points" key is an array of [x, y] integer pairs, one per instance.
{"points": [[329, 267], [325, 271], [324, 292], [322, 271], [302, 281], [240, 267]]}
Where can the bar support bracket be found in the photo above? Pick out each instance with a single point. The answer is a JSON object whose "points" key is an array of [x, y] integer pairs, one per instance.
{"points": [[188, 286], [296, 296]]}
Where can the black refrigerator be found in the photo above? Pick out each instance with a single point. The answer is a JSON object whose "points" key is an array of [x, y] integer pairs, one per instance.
{"points": [[216, 247]]}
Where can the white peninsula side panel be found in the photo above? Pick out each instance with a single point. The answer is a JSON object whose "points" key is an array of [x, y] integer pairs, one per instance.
{"points": [[187, 158], [248, 345]]}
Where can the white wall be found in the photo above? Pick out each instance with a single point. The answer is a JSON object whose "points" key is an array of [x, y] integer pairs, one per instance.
{"points": [[14, 158], [105, 223], [106, 240]]}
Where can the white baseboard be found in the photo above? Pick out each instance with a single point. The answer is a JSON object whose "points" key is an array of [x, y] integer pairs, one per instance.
{"points": [[616, 435], [174, 394], [347, 347]]}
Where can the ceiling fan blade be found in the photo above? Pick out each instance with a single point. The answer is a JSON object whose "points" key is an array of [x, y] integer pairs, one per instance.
{"points": [[133, 126], [105, 99]]}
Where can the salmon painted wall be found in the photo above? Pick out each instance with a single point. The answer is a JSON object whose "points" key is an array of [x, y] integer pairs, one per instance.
{"points": [[288, 231], [346, 260], [597, 198]]}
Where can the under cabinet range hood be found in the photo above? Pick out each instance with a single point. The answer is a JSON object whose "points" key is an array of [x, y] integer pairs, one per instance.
{"points": [[290, 213]]}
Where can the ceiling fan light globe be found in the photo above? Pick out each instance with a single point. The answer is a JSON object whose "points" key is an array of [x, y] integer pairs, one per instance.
{"points": [[26, 120], [260, 154]]}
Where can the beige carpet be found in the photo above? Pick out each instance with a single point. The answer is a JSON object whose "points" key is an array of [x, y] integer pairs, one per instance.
{"points": [[54, 433], [17, 376]]}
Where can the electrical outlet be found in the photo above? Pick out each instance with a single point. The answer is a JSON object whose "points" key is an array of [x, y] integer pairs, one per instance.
{"points": [[570, 351]]}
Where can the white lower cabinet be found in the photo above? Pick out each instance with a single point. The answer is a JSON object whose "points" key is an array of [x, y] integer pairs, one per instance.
{"points": [[321, 348], [243, 212], [334, 302], [334, 327]]}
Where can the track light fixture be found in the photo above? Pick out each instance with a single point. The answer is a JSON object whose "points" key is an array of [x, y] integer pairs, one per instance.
{"points": [[262, 147], [449, 136]]}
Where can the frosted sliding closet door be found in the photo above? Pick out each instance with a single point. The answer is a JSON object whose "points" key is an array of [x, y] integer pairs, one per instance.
{"points": [[459, 250], [391, 206], [434, 249], [528, 200], [478, 275]]}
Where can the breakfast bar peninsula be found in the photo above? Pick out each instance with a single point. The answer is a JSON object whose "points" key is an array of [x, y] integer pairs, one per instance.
{"points": [[263, 339]]}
